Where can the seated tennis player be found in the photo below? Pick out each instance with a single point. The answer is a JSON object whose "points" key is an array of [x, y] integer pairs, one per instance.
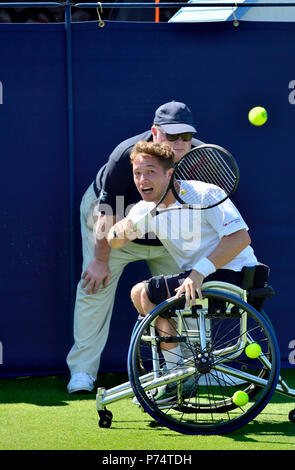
{"points": [[211, 244]]}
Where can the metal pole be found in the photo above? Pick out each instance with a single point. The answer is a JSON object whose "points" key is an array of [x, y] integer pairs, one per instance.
{"points": [[30, 4], [157, 13], [185, 5], [70, 149], [233, 4]]}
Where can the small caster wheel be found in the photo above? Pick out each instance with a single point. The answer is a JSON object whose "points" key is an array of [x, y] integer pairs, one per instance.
{"points": [[292, 416], [105, 420]]}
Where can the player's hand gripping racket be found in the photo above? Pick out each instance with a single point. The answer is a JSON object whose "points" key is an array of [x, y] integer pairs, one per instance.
{"points": [[205, 177]]}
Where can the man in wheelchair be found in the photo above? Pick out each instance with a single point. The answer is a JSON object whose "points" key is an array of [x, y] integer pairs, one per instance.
{"points": [[217, 249]]}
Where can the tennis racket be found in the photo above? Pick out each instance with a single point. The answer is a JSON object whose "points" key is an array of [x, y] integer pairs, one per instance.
{"points": [[204, 178]]}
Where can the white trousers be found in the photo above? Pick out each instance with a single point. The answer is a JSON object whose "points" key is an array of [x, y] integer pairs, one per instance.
{"points": [[92, 314]]}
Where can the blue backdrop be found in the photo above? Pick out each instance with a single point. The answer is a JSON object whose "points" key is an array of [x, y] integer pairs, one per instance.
{"points": [[121, 73]]}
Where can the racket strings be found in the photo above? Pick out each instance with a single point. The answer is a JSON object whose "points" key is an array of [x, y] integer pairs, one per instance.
{"points": [[200, 171], [202, 168], [220, 166], [212, 169]]}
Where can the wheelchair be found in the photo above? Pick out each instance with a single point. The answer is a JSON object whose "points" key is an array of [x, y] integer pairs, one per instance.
{"points": [[229, 384]]}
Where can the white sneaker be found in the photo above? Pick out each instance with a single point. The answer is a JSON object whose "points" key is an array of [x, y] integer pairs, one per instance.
{"points": [[81, 382]]}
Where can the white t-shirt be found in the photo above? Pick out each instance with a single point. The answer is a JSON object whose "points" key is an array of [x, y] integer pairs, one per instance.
{"points": [[190, 235]]}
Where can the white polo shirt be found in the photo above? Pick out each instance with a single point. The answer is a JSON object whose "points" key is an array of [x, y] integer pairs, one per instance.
{"points": [[190, 235]]}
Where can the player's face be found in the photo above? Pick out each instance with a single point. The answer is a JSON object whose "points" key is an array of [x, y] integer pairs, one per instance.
{"points": [[150, 178], [179, 146]]}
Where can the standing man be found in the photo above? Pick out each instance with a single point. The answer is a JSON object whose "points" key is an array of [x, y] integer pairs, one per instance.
{"points": [[112, 192]]}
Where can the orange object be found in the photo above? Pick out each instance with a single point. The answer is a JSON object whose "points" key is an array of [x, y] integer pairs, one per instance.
{"points": [[157, 13]]}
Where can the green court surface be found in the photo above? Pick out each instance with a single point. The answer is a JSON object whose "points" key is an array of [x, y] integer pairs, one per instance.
{"points": [[39, 414]]}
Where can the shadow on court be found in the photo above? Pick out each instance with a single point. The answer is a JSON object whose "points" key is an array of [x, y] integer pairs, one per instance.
{"points": [[49, 391]]}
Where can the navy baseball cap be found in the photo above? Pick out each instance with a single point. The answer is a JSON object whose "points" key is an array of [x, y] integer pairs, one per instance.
{"points": [[174, 118]]}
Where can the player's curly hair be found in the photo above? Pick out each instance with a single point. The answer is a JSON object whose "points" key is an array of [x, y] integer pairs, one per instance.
{"points": [[163, 152]]}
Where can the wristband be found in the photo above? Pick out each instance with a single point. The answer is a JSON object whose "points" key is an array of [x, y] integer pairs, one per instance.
{"points": [[204, 267]]}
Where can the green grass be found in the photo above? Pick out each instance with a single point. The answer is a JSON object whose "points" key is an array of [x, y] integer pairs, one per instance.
{"points": [[39, 414]]}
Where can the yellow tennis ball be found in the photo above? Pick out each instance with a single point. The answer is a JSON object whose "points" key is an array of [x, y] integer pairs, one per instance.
{"points": [[240, 398], [258, 116], [182, 192], [253, 350]]}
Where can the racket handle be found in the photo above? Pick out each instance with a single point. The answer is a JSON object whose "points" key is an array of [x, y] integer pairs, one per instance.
{"points": [[140, 224]]}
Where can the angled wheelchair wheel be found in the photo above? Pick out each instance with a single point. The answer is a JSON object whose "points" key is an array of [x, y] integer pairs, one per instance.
{"points": [[229, 370]]}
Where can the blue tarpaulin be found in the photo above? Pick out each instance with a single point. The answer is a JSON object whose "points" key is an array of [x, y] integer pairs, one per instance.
{"points": [[121, 73]]}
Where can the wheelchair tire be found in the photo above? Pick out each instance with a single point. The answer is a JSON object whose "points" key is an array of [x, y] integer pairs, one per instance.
{"points": [[209, 411]]}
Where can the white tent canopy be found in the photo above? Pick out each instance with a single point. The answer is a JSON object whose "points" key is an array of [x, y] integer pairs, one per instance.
{"points": [[201, 14]]}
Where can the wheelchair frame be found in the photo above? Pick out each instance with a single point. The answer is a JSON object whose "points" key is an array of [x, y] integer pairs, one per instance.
{"points": [[140, 386]]}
